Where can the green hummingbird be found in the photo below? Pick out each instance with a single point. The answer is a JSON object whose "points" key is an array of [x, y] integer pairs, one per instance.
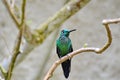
{"points": [[63, 47]]}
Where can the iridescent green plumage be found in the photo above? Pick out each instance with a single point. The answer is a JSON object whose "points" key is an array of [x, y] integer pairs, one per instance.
{"points": [[64, 46]]}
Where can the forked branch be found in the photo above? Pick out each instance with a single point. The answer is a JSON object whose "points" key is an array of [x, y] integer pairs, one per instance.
{"points": [[8, 7], [91, 49], [16, 50]]}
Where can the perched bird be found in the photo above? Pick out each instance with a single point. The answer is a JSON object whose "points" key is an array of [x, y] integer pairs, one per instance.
{"points": [[64, 46]]}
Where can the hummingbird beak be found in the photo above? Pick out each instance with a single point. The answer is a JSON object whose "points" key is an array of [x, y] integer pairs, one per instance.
{"points": [[72, 30]]}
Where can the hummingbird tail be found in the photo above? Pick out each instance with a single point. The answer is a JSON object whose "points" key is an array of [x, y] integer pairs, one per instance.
{"points": [[66, 66]]}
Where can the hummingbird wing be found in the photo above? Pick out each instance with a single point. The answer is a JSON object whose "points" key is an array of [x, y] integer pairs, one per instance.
{"points": [[71, 49], [58, 51]]}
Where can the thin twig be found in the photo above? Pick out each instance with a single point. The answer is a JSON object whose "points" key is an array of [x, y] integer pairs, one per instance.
{"points": [[27, 32], [23, 12], [96, 50], [4, 72], [8, 7]]}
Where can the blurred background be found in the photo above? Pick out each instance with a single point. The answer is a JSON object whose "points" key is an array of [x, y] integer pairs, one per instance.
{"points": [[88, 22]]}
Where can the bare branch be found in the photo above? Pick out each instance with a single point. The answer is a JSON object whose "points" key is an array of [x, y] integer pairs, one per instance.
{"points": [[111, 21], [106, 24], [109, 41], [96, 50], [15, 54], [23, 12], [58, 19], [17, 46], [27, 32], [8, 7]]}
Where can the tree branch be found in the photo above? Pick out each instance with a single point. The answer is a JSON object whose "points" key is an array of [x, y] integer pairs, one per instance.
{"points": [[27, 32], [111, 21], [58, 19], [17, 45], [23, 12], [91, 49], [15, 54], [8, 7], [109, 41]]}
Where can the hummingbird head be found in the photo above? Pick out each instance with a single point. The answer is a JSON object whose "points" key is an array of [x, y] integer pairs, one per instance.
{"points": [[66, 32]]}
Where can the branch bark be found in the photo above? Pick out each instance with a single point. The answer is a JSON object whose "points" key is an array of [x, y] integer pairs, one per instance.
{"points": [[111, 21], [58, 19], [8, 7], [91, 49], [15, 54], [27, 31], [17, 45], [23, 12]]}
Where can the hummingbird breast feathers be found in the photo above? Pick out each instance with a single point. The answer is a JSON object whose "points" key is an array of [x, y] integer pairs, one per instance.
{"points": [[63, 44]]}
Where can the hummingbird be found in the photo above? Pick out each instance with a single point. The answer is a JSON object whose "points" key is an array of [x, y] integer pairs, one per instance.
{"points": [[64, 47]]}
